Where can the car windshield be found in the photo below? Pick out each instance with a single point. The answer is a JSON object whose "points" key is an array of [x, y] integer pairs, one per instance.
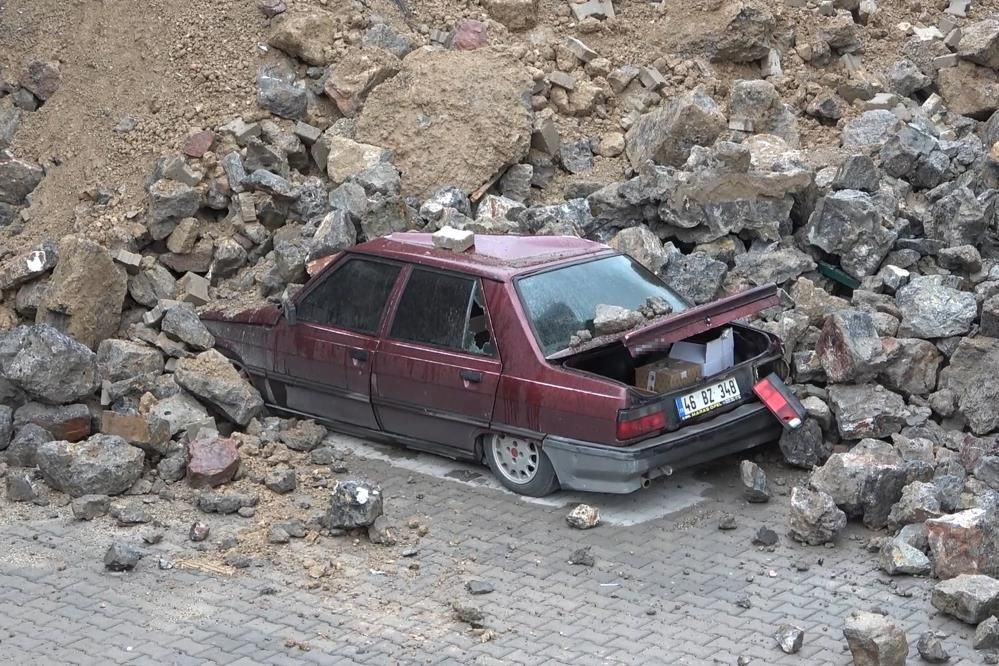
{"points": [[563, 301]]}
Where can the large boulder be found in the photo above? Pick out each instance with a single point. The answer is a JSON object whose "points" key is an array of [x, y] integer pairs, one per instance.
{"points": [[969, 598], [730, 31], [100, 465], [212, 378], [805, 446], [695, 276], [353, 504], [875, 640], [451, 117], [667, 134], [867, 410], [642, 245], [850, 224], [757, 107], [912, 365], [958, 218], [920, 501], [899, 558], [969, 89], [972, 373], [814, 518], [965, 543], [931, 309], [849, 346], [355, 75], [181, 322], [979, 42], [865, 481], [47, 364], [85, 295]]}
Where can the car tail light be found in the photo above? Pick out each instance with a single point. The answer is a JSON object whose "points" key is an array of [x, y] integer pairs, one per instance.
{"points": [[778, 398], [632, 423]]}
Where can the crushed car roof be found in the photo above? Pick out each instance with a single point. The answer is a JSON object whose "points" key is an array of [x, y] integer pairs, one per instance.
{"points": [[494, 257]]}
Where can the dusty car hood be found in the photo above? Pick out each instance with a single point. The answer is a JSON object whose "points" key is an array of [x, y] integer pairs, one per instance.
{"points": [[705, 317]]}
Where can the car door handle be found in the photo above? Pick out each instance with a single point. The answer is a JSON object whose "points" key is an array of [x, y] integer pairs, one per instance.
{"points": [[471, 376], [359, 355]]}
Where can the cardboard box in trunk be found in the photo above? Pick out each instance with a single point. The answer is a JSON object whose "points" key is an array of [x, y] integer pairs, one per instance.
{"points": [[713, 357], [667, 375]]}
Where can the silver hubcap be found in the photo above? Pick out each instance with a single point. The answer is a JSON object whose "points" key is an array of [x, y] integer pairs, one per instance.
{"points": [[516, 459]]}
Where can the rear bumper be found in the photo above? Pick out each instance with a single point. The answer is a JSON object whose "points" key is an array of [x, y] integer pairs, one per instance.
{"points": [[609, 469]]}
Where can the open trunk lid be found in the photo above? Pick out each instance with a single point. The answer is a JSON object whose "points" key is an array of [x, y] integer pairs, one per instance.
{"points": [[688, 323]]}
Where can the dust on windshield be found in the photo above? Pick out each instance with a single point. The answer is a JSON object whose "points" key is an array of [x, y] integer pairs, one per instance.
{"points": [[562, 303]]}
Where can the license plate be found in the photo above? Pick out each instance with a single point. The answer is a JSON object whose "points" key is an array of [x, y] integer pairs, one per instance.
{"points": [[708, 398]]}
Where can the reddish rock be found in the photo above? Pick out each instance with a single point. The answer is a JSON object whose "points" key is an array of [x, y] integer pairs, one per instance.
{"points": [[212, 461], [148, 433], [41, 78], [198, 143], [66, 422], [971, 450], [469, 35], [965, 543]]}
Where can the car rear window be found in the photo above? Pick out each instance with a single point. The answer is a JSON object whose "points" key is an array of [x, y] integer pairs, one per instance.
{"points": [[352, 297], [562, 301]]}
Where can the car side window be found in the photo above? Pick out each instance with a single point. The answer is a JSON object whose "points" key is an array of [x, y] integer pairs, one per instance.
{"points": [[443, 310], [352, 297]]}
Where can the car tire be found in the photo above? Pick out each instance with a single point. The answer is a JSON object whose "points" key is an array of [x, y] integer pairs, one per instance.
{"points": [[520, 465]]}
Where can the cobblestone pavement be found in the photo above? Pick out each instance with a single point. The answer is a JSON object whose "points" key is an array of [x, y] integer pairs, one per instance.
{"points": [[663, 591]]}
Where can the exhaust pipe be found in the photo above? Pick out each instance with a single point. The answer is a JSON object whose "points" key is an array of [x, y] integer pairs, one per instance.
{"points": [[646, 482]]}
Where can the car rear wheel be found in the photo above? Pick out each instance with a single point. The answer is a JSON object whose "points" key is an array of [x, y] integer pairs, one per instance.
{"points": [[520, 465]]}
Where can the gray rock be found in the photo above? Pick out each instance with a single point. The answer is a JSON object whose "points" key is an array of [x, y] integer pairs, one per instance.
{"points": [[582, 557], [610, 319], [899, 558], [271, 183], [865, 481], [696, 276], [958, 218], [867, 410], [875, 640], [122, 556], [932, 310], [170, 202], [516, 182], [10, 121], [304, 436], [6, 426], [278, 535], [173, 467], [29, 265], [974, 365], [814, 518], [130, 514], [857, 172], [228, 258], [756, 104], [979, 42], [89, 507], [914, 535], [912, 366], [905, 150], [642, 245], [869, 130], [765, 537], [180, 411], [805, 446], [211, 378], [777, 266], [23, 448], [99, 465], [963, 258], [70, 422], [667, 134], [18, 179], [382, 36], [47, 364], [21, 486], [478, 587], [572, 218], [122, 359], [919, 502], [281, 481], [278, 93], [754, 482], [290, 258], [576, 157], [848, 223], [382, 532], [849, 347], [931, 649], [353, 504], [986, 634], [335, 233], [789, 638], [181, 322], [225, 503], [904, 78], [969, 598]]}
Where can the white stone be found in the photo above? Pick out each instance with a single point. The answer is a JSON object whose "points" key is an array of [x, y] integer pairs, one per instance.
{"points": [[453, 239]]}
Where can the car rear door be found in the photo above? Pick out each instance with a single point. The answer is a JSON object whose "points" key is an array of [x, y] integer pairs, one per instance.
{"points": [[436, 371], [323, 357]]}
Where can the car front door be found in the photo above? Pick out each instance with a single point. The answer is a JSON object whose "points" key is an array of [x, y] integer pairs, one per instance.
{"points": [[436, 371], [323, 357]]}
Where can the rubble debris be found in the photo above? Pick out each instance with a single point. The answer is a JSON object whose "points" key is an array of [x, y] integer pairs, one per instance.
{"points": [[805, 446], [583, 517], [964, 543], [789, 638], [931, 649], [478, 587], [969, 598], [353, 504], [582, 557], [875, 640], [865, 481], [814, 518], [382, 533], [225, 503], [89, 507], [754, 482], [900, 558], [281, 480], [765, 537], [212, 461], [21, 486], [987, 634], [210, 377], [122, 556], [47, 364], [468, 614]]}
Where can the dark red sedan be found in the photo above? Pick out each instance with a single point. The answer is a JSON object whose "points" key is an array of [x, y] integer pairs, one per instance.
{"points": [[499, 354]]}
